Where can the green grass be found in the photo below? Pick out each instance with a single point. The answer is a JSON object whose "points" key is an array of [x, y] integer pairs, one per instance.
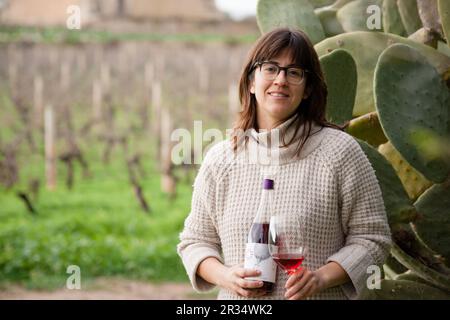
{"points": [[63, 35], [98, 226]]}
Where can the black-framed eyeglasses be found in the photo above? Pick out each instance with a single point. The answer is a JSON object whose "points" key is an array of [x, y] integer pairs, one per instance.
{"points": [[270, 71]]}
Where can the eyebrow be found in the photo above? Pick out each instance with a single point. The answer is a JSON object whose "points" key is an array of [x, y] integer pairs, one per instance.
{"points": [[288, 66]]}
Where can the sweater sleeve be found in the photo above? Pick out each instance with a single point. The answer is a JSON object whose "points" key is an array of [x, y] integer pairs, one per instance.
{"points": [[364, 220], [199, 239]]}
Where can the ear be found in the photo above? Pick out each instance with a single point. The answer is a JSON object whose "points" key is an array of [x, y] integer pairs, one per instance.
{"points": [[252, 86]]}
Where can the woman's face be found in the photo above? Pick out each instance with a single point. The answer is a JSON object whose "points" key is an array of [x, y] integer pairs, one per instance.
{"points": [[276, 99]]}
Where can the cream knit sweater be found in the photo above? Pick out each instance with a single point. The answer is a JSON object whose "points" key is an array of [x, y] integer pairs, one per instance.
{"points": [[332, 186]]}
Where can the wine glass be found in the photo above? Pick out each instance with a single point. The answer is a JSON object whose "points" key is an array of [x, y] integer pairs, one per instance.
{"points": [[286, 242]]}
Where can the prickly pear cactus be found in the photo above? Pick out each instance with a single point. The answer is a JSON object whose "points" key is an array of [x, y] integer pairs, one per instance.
{"points": [[399, 207], [407, 290], [329, 21], [413, 181], [402, 72], [444, 12], [366, 47], [367, 127], [409, 15], [321, 3], [289, 13], [341, 91], [354, 17], [392, 21], [432, 225], [401, 118]]}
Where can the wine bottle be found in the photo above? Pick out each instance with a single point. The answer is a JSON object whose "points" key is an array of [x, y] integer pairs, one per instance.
{"points": [[257, 254]]}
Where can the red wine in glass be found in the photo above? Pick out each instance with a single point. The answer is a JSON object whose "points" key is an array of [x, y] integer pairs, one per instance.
{"points": [[286, 242], [288, 262]]}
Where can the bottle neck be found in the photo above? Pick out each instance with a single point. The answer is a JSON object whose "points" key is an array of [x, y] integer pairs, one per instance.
{"points": [[264, 210]]}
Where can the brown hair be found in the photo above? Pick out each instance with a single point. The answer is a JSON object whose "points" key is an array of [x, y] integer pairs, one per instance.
{"points": [[310, 109]]}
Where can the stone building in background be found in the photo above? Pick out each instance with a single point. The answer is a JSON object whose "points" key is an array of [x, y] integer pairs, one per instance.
{"points": [[42, 12], [54, 12], [154, 10]]}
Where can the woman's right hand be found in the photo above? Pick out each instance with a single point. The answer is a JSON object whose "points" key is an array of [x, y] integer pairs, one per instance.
{"points": [[234, 280]]}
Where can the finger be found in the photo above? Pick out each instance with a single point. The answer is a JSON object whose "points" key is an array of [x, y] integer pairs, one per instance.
{"points": [[303, 293], [249, 284], [310, 292], [243, 273], [299, 285], [245, 292], [294, 278]]}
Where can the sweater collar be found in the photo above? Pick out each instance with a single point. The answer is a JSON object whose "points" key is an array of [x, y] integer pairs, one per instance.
{"points": [[272, 154]]}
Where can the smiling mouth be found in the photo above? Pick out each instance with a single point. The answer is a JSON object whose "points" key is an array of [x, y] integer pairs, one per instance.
{"points": [[278, 95]]}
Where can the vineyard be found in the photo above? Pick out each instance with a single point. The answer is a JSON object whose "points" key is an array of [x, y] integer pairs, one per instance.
{"points": [[88, 122], [85, 140]]}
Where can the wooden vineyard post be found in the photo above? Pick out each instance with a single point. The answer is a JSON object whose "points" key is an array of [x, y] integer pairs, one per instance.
{"points": [[168, 183], [97, 97], [50, 152], [149, 77], [156, 114], [157, 92], [13, 63], [38, 100], [105, 85]]}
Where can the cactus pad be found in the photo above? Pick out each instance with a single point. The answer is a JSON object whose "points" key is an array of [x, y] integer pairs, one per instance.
{"points": [[365, 48], [409, 14], [411, 96], [392, 22], [353, 16], [398, 206], [434, 218], [340, 75], [330, 24], [297, 14]]}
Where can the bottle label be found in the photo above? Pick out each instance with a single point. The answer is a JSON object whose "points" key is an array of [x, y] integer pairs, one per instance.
{"points": [[257, 256]]}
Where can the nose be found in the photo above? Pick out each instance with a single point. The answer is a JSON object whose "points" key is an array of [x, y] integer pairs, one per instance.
{"points": [[281, 78]]}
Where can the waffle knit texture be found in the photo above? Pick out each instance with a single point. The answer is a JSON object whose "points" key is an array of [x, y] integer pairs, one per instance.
{"points": [[331, 186]]}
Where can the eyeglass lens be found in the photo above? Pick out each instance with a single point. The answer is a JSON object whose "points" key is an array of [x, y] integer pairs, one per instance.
{"points": [[294, 75]]}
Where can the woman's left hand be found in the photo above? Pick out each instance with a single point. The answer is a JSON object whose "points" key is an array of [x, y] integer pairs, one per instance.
{"points": [[303, 283]]}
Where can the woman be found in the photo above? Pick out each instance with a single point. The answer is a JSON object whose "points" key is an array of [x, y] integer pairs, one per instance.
{"points": [[321, 175]]}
